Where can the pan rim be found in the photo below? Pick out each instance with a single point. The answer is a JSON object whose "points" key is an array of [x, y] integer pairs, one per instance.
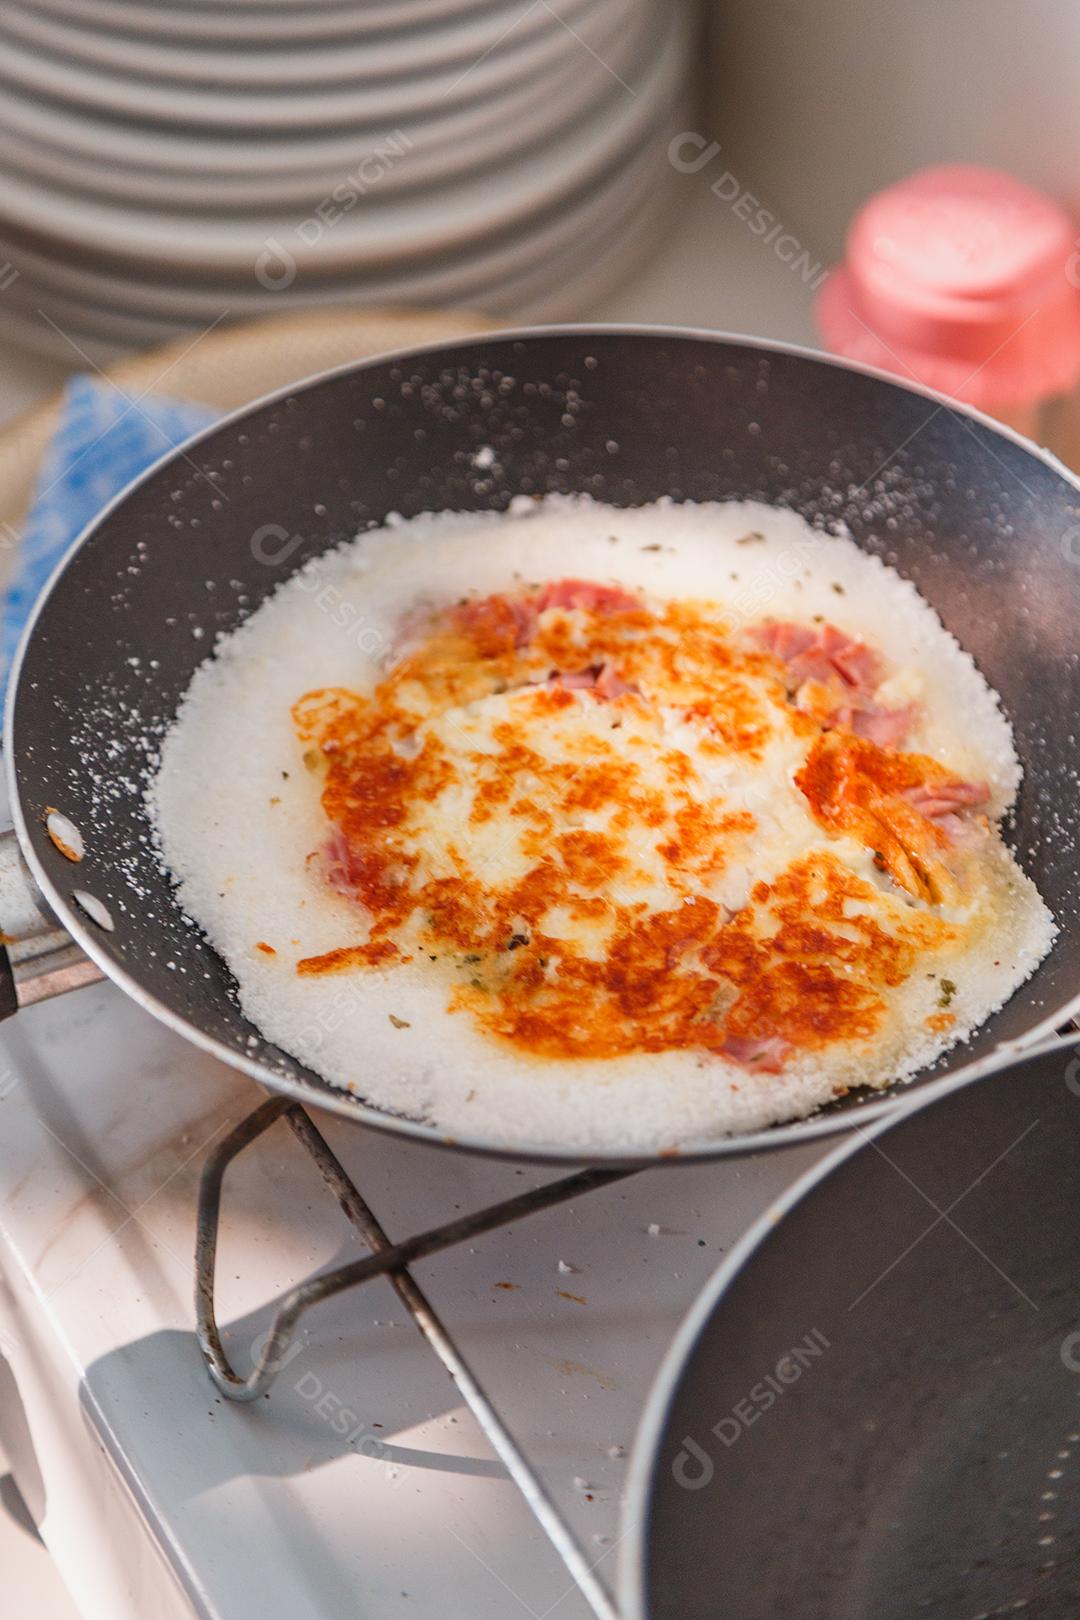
{"points": [[345, 1104], [631, 1585]]}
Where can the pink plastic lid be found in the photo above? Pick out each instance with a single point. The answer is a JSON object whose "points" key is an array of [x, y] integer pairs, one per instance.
{"points": [[965, 280]]}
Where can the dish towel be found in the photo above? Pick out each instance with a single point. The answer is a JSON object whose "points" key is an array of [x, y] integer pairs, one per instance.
{"points": [[103, 440]]}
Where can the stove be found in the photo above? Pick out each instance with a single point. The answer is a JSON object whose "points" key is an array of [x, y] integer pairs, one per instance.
{"points": [[360, 1482]]}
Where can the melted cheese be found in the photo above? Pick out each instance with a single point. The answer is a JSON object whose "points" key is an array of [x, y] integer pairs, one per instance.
{"points": [[587, 814], [578, 834]]}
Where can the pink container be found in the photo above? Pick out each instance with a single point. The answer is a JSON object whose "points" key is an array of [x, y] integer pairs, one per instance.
{"points": [[964, 279]]}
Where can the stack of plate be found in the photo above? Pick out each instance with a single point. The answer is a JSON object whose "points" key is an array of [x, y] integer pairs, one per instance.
{"points": [[163, 168]]}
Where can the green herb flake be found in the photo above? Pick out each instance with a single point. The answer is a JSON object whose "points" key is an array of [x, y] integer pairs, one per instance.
{"points": [[948, 991], [399, 1023]]}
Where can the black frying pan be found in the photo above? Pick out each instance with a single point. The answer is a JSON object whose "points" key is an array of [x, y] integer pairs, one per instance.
{"points": [[873, 1412], [987, 528]]}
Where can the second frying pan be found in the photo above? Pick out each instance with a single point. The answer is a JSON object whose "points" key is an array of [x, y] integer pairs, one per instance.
{"points": [[873, 1411]]}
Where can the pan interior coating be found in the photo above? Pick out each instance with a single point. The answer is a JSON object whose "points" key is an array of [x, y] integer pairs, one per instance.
{"points": [[636, 975]]}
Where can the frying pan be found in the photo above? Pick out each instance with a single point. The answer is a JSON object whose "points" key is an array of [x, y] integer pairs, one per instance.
{"points": [[873, 1412], [987, 527]]}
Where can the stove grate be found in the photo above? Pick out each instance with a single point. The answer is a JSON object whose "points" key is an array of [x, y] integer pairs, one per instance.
{"points": [[392, 1260]]}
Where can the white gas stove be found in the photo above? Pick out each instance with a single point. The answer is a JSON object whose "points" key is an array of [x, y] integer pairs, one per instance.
{"points": [[361, 1485]]}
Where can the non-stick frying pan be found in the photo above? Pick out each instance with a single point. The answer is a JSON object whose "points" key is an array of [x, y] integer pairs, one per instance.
{"points": [[988, 529], [873, 1412]]}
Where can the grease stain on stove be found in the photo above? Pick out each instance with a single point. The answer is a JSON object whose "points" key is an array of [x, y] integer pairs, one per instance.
{"points": [[183, 1148], [96, 1197], [569, 1368]]}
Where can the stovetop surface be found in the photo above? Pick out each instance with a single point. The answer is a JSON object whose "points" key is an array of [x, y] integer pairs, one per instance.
{"points": [[270, 1510], [361, 1485]]}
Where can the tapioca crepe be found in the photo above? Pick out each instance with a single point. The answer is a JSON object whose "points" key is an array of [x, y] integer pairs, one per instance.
{"points": [[603, 828]]}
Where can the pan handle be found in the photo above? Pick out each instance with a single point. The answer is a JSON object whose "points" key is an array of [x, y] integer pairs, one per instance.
{"points": [[38, 958]]}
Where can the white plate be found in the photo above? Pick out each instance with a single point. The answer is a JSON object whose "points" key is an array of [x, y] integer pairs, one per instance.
{"points": [[30, 332], [371, 100], [597, 260], [263, 21], [583, 278], [118, 164], [300, 194], [77, 133], [455, 42], [543, 249], [448, 218], [610, 263]]}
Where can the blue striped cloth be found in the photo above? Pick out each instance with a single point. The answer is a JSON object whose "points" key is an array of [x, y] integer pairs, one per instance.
{"points": [[103, 440]]}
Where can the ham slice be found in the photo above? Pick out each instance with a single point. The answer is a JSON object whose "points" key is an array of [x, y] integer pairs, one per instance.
{"points": [[785, 639], [581, 680], [886, 727], [599, 678], [524, 613], [587, 595], [816, 654], [610, 685], [496, 623], [764, 1054], [940, 801], [341, 864], [855, 663], [834, 676], [499, 621]]}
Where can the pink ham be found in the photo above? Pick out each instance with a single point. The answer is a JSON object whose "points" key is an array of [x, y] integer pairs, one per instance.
{"points": [[784, 639], [341, 865], [584, 594], [854, 662], [599, 678], [611, 685], [764, 1055], [886, 727], [524, 612], [565, 593], [487, 614], [581, 680], [814, 655], [844, 665], [940, 801]]}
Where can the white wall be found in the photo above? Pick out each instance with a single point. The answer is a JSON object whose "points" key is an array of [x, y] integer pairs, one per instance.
{"points": [[819, 102]]}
